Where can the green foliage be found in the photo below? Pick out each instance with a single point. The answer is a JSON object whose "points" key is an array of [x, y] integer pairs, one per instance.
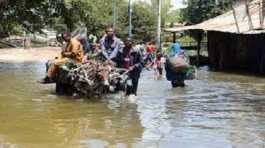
{"points": [[23, 13], [144, 22], [96, 14], [173, 16], [201, 10], [167, 16], [33, 15], [198, 11]]}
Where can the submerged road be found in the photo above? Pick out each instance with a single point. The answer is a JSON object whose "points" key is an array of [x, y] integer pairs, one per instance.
{"points": [[218, 110]]}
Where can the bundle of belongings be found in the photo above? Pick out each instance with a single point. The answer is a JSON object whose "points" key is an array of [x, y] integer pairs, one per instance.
{"points": [[179, 62], [93, 78], [178, 69], [77, 73]]}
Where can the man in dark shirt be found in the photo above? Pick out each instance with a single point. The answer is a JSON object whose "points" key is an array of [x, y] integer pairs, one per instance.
{"points": [[130, 59]]}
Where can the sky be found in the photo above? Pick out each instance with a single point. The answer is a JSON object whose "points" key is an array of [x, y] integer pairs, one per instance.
{"points": [[175, 3]]}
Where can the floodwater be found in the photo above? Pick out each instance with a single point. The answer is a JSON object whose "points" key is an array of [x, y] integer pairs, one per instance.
{"points": [[218, 110]]}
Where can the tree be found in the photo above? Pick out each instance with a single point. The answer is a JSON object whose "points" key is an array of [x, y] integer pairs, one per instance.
{"points": [[22, 13], [201, 10], [166, 15], [144, 21], [62, 15], [95, 14]]}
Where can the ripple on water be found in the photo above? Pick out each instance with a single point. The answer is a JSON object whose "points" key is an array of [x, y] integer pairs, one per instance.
{"points": [[216, 110]]}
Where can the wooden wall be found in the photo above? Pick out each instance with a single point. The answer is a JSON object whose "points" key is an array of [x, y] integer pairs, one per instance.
{"points": [[228, 51]]}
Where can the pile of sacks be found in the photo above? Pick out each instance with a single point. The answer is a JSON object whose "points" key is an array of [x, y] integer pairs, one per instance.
{"points": [[95, 78]]}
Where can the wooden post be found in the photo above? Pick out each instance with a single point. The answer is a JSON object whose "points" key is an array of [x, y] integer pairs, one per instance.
{"points": [[174, 37], [234, 14], [250, 24], [199, 39], [24, 39], [262, 8], [260, 14]]}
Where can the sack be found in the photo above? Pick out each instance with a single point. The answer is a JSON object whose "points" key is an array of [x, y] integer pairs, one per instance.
{"points": [[178, 63]]}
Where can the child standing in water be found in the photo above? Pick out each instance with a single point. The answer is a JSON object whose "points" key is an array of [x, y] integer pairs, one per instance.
{"points": [[158, 64]]}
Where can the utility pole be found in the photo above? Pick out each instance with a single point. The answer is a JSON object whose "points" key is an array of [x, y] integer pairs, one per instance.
{"points": [[159, 25], [216, 2], [130, 18], [114, 13]]}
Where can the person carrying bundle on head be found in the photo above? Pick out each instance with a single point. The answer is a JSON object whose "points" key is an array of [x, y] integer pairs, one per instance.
{"points": [[176, 66]]}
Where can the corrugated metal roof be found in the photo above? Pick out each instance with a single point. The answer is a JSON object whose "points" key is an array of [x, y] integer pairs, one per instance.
{"points": [[227, 23]]}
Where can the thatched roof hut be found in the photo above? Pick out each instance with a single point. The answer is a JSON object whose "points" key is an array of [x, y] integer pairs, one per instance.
{"points": [[236, 39], [234, 21]]}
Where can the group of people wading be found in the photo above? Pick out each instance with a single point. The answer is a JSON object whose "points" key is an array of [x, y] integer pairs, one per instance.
{"points": [[122, 54]]}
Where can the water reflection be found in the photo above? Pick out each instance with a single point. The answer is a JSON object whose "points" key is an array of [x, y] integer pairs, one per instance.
{"points": [[218, 110], [33, 116], [215, 111]]}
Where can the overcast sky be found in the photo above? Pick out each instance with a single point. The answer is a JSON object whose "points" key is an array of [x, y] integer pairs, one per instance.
{"points": [[175, 3]]}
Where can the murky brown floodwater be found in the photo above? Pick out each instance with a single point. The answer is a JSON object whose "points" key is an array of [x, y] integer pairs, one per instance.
{"points": [[217, 111]]}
